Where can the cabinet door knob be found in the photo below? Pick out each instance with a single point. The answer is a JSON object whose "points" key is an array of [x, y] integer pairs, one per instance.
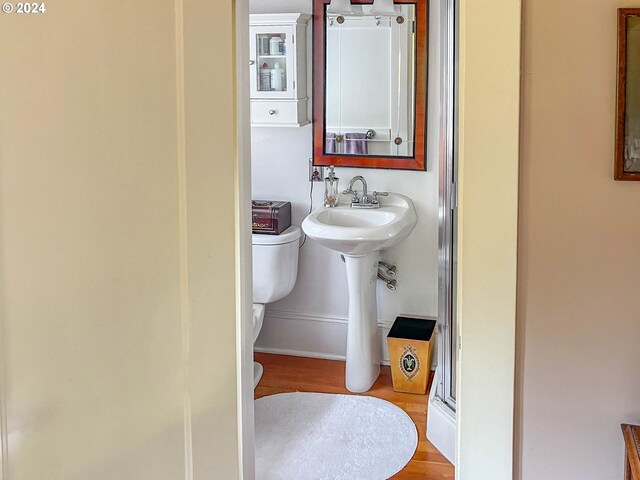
{"points": [[272, 112], [252, 62]]}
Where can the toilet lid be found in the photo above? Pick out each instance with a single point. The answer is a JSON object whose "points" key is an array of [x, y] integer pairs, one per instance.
{"points": [[291, 234]]}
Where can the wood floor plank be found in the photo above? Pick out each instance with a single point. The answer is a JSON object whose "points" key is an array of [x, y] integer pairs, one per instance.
{"points": [[283, 373]]}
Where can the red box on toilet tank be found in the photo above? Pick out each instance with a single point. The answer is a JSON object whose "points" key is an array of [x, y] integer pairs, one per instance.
{"points": [[270, 217]]}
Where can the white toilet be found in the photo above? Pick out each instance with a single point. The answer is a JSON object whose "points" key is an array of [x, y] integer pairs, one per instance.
{"points": [[275, 269]]}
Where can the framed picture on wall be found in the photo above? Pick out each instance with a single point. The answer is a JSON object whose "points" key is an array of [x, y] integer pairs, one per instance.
{"points": [[627, 155]]}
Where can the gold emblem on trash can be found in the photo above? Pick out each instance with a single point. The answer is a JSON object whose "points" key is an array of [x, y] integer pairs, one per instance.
{"points": [[409, 362]]}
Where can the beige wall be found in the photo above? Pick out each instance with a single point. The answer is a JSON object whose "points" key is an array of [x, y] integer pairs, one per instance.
{"points": [[488, 207], [118, 339], [579, 258]]}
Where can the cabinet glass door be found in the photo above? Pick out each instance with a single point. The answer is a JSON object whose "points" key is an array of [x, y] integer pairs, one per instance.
{"points": [[273, 70]]}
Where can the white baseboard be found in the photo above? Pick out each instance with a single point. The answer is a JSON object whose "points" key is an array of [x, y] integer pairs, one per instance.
{"points": [[299, 353], [303, 335], [441, 425]]}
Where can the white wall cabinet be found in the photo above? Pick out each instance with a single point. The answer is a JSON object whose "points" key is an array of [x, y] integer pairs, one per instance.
{"points": [[278, 49]]}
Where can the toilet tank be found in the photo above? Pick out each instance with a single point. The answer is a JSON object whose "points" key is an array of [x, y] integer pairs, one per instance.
{"points": [[275, 264]]}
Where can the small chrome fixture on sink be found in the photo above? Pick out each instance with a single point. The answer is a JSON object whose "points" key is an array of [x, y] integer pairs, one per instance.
{"points": [[365, 201], [385, 269], [389, 269], [391, 284]]}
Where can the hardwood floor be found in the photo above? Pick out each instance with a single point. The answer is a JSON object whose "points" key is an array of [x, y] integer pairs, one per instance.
{"points": [[298, 374]]}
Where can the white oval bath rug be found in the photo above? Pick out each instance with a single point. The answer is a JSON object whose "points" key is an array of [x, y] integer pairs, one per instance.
{"points": [[317, 436]]}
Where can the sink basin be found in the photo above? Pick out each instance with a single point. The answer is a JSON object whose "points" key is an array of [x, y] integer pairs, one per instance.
{"points": [[359, 231], [360, 234]]}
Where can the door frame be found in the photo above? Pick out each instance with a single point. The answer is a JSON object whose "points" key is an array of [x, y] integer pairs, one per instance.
{"points": [[488, 125], [488, 153], [244, 277]]}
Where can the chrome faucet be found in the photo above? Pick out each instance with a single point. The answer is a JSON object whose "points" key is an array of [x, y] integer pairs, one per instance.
{"points": [[364, 201], [365, 195]]}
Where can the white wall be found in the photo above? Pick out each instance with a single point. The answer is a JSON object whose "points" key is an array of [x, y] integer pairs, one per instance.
{"points": [[280, 171]]}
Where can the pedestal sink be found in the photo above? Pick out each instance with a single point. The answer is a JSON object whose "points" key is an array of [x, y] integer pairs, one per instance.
{"points": [[360, 235]]}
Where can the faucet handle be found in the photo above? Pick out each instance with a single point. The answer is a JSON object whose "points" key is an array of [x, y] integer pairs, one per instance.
{"points": [[375, 195], [353, 193]]}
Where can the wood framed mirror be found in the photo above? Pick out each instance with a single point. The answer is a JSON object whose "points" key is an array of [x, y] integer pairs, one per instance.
{"points": [[627, 155], [370, 86]]}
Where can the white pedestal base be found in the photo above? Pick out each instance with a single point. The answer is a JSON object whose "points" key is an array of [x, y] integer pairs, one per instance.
{"points": [[363, 364]]}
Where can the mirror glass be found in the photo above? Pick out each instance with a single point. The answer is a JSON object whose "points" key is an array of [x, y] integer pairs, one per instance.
{"points": [[632, 97], [370, 79]]}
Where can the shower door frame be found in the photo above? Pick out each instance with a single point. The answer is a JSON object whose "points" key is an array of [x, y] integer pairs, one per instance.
{"points": [[448, 203]]}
